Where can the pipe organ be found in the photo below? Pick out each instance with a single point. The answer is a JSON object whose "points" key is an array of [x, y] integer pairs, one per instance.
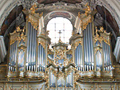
{"points": [[88, 48], [91, 47], [59, 67], [31, 48], [28, 49]]}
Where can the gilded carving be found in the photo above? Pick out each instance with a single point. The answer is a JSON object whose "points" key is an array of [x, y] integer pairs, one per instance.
{"points": [[16, 36], [87, 10], [77, 43], [42, 43], [102, 36], [18, 29], [33, 9], [86, 18], [22, 37], [98, 49], [34, 22]]}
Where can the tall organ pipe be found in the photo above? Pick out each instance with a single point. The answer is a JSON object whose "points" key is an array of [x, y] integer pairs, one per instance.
{"points": [[88, 46], [41, 56], [13, 55], [31, 46], [78, 56], [106, 54]]}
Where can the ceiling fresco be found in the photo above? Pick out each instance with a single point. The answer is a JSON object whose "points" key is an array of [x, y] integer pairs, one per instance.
{"points": [[11, 17], [108, 17]]}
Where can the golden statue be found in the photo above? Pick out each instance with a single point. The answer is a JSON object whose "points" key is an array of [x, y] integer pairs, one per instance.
{"points": [[33, 8]]}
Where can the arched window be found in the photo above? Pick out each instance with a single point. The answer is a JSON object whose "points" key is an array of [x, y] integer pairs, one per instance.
{"points": [[59, 27]]}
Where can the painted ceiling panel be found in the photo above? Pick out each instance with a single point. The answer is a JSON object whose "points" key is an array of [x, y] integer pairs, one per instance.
{"points": [[11, 17], [109, 18]]}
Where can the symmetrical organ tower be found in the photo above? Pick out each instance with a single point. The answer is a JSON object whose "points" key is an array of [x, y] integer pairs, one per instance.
{"points": [[60, 67]]}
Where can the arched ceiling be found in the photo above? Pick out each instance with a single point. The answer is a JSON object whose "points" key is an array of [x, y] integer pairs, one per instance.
{"points": [[46, 3], [10, 18], [108, 17]]}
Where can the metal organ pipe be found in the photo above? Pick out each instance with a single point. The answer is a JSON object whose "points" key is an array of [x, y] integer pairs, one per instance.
{"points": [[88, 47], [89, 56], [44, 58], [32, 40], [38, 57], [27, 44], [13, 56], [106, 53], [41, 57], [13, 51], [31, 47], [92, 57], [40, 54], [29, 40], [77, 57], [16, 52]]}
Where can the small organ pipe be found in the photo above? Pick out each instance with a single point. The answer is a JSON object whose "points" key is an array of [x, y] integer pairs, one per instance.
{"points": [[9, 68], [87, 68], [32, 37], [30, 44], [33, 44], [40, 54], [89, 42], [107, 55], [29, 68], [14, 52], [78, 56], [43, 58]]}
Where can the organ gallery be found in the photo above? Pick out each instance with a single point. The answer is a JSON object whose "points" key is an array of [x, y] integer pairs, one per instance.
{"points": [[42, 59]]}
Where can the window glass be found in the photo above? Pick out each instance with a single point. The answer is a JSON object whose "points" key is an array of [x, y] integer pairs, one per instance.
{"points": [[59, 27]]}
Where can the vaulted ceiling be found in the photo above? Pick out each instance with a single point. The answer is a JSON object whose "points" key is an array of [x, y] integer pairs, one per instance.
{"points": [[10, 18], [108, 17], [101, 10]]}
